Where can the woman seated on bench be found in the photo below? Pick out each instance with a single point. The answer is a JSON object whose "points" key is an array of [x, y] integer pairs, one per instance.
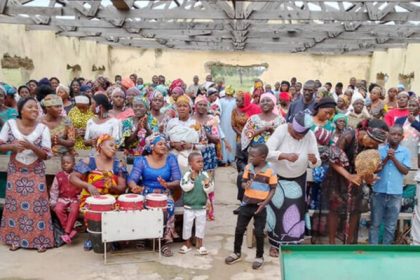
{"points": [[159, 172]]}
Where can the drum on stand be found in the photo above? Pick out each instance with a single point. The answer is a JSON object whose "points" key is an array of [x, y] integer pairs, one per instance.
{"points": [[131, 201], [156, 200], [95, 206]]}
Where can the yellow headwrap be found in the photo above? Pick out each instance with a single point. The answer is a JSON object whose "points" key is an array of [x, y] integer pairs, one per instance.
{"points": [[102, 139], [183, 99], [229, 90]]}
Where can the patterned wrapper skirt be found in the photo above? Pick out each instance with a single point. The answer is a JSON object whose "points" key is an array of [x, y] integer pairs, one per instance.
{"points": [[26, 220], [286, 212]]}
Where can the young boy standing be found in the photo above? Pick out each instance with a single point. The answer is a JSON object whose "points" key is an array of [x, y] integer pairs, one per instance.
{"points": [[387, 191], [196, 186], [64, 198], [259, 182]]}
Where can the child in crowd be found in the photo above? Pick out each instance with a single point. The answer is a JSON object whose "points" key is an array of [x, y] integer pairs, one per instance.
{"points": [[196, 185], [357, 113], [64, 198], [387, 191], [259, 182]]}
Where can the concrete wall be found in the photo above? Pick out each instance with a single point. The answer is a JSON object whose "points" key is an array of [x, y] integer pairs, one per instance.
{"points": [[397, 61], [51, 54]]}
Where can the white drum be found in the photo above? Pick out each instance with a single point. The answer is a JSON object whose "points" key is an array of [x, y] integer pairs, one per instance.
{"points": [[131, 201], [157, 200]]}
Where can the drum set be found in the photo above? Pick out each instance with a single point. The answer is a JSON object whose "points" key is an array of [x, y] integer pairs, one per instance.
{"points": [[96, 205]]}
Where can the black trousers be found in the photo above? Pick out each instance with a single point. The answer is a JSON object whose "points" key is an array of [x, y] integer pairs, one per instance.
{"points": [[241, 190], [246, 213]]}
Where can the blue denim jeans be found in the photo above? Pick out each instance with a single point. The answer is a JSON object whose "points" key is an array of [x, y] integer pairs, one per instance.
{"points": [[385, 209]]}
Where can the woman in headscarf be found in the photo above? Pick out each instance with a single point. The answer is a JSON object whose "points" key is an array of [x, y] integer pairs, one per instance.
{"points": [[341, 183], [357, 113], [377, 105], [79, 116], [101, 84], [228, 104], [322, 126], [127, 83], [342, 104], [131, 93], [292, 147], [158, 172], [63, 134], [284, 100], [169, 111], [243, 111], [26, 220], [99, 174], [157, 101], [64, 92], [391, 99], [135, 129], [101, 123], [256, 95], [102, 173], [184, 132], [119, 110], [259, 128], [341, 124], [214, 100]]}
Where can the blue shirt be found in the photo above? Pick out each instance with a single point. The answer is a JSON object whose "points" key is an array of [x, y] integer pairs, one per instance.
{"points": [[391, 181]]}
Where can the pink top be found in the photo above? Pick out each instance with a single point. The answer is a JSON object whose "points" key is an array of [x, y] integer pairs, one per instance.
{"points": [[124, 114]]}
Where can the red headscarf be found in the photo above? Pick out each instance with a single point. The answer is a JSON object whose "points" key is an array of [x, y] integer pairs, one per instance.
{"points": [[284, 96], [177, 83], [249, 108]]}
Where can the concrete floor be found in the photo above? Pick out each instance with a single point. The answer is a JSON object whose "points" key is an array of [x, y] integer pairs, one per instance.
{"points": [[71, 262]]}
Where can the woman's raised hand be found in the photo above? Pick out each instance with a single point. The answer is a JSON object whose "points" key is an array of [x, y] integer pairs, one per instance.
{"points": [[162, 182]]}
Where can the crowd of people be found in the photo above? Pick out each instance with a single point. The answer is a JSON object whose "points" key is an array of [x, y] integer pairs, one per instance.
{"points": [[176, 135]]}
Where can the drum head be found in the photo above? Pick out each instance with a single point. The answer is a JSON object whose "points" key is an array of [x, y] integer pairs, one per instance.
{"points": [[100, 200]]}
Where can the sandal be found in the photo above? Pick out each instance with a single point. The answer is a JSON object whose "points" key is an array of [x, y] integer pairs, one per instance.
{"points": [[166, 251], [42, 249], [202, 251], [258, 262], [233, 258], [184, 249], [87, 245], [14, 247], [274, 252], [66, 238]]}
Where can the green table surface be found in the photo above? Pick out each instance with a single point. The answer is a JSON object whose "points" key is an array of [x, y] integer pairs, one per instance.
{"points": [[350, 262]]}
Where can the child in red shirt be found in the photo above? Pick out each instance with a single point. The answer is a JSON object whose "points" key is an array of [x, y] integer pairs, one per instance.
{"points": [[64, 198]]}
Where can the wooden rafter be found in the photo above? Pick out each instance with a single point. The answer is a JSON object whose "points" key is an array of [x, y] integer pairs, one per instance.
{"points": [[234, 25]]}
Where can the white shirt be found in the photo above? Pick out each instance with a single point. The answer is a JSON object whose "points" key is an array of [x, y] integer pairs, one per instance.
{"points": [[26, 156], [111, 126], [282, 142]]}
